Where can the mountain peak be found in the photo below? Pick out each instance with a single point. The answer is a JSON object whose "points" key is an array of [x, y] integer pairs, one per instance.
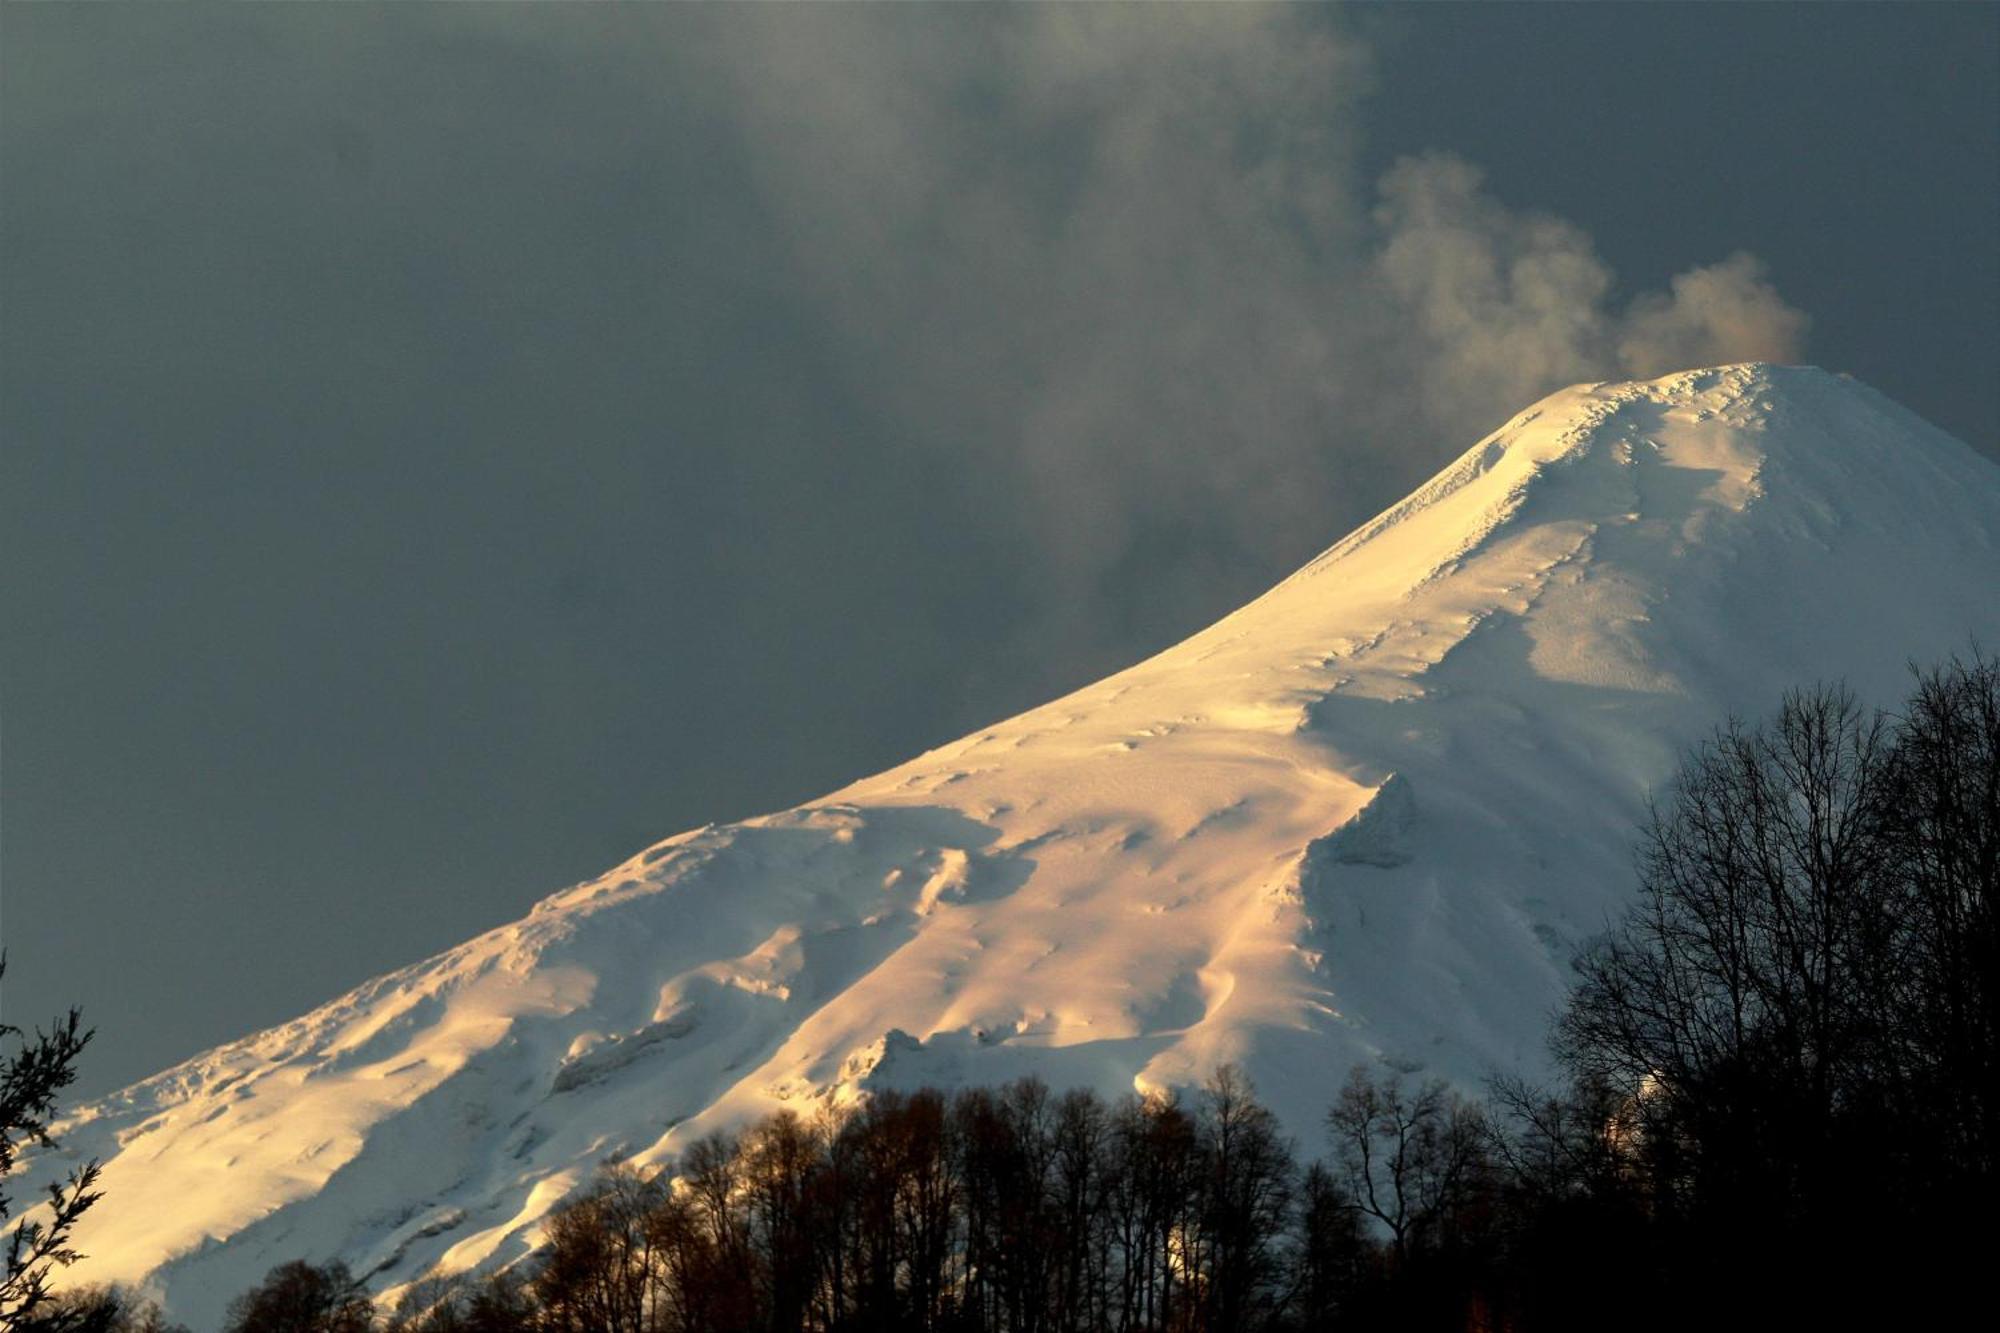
{"points": [[1368, 816], [1736, 404]]}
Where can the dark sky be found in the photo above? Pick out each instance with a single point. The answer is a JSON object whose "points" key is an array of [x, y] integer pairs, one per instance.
{"points": [[448, 448]]}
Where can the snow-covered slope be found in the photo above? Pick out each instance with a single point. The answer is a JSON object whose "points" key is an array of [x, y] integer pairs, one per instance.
{"points": [[1366, 817]]}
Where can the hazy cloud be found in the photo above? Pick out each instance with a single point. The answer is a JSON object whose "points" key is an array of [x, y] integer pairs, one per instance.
{"points": [[1497, 306], [1724, 312], [1508, 305], [1125, 253]]}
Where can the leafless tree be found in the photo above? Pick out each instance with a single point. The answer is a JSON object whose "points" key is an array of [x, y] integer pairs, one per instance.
{"points": [[1944, 822], [300, 1297], [1748, 996], [1246, 1190], [1407, 1158]]}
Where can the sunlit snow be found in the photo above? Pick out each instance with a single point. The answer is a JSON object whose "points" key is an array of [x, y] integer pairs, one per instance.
{"points": [[1367, 817]]}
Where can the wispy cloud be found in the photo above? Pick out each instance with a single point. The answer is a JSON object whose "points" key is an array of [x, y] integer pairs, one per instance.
{"points": [[1126, 254]]}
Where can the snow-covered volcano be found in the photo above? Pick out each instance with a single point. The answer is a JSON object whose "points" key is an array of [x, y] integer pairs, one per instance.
{"points": [[1367, 817]]}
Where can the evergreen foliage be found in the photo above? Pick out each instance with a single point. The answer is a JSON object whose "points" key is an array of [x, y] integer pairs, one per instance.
{"points": [[40, 1065]]}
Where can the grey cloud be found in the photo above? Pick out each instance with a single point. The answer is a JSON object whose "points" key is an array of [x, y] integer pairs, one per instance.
{"points": [[1126, 254], [1501, 305], [1509, 305], [1724, 312], [1087, 242]]}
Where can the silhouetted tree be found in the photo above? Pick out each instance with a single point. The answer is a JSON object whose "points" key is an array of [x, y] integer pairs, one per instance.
{"points": [[1334, 1256], [1798, 1014], [1943, 815], [783, 1161], [597, 1271], [706, 1225], [1079, 1180], [1151, 1211], [465, 1303], [1006, 1156], [1246, 1191], [1747, 995], [498, 1304], [896, 1157], [41, 1065], [1409, 1160], [1575, 1234], [435, 1304], [299, 1297], [100, 1309]]}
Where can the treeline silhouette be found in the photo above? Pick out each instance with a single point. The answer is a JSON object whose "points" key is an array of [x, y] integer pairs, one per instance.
{"points": [[1777, 1110]]}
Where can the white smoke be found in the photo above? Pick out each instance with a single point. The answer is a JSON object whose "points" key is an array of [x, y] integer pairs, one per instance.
{"points": [[1123, 256], [1724, 312]]}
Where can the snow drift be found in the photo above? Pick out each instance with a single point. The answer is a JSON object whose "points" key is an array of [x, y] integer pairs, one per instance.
{"points": [[1368, 817]]}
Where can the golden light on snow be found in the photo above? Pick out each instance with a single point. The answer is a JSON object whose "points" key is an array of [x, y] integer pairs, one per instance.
{"points": [[1367, 816]]}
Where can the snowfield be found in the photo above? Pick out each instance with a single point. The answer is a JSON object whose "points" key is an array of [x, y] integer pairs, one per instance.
{"points": [[1368, 817]]}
